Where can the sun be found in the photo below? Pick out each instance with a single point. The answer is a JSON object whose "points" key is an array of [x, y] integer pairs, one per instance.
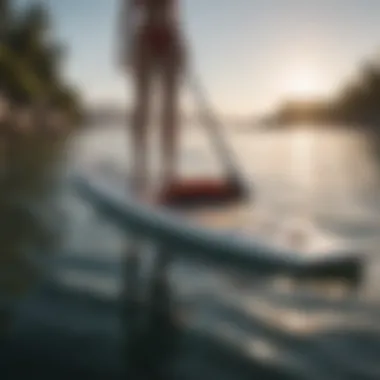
{"points": [[304, 83]]}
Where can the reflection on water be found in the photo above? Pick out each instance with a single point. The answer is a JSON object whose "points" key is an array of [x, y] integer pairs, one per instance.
{"points": [[327, 178], [322, 175], [322, 180]]}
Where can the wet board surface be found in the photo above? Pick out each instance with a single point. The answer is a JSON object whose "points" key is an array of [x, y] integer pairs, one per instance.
{"points": [[245, 222], [242, 219], [242, 222]]}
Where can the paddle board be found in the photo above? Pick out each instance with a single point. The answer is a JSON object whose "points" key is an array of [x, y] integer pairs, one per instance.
{"points": [[329, 255]]}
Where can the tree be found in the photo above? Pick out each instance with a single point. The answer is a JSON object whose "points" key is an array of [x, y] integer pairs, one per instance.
{"points": [[30, 60], [359, 100]]}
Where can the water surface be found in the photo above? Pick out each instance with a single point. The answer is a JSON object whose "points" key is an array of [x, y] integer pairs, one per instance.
{"points": [[325, 178]]}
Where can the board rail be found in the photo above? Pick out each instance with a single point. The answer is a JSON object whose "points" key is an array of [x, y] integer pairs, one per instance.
{"points": [[197, 243]]}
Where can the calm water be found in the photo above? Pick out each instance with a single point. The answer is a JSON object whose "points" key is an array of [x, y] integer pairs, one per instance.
{"points": [[328, 180]]}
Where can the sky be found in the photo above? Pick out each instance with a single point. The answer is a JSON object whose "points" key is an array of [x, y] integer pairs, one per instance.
{"points": [[250, 54]]}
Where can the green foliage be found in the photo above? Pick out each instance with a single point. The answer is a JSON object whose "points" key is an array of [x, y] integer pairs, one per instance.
{"points": [[30, 60]]}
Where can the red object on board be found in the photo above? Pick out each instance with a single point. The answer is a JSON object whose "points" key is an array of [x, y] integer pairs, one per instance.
{"points": [[200, 191]]}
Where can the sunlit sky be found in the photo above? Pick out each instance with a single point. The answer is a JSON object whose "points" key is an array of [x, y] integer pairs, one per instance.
{"points": [[250, 53]]}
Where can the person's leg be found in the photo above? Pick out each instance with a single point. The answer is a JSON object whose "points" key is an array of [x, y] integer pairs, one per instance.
{"points": [[171, 79], [140, 118]]}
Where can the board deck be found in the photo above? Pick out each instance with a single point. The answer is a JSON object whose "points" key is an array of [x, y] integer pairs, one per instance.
{"points": [[244, 220], [329, 256], [241, 219]]}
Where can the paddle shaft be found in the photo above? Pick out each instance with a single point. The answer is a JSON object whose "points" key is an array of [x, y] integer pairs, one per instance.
{"points": [[209, 120]]}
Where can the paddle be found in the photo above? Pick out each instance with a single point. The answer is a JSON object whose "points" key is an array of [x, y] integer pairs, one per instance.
{"points": [[211, 122], [214, 127]]}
